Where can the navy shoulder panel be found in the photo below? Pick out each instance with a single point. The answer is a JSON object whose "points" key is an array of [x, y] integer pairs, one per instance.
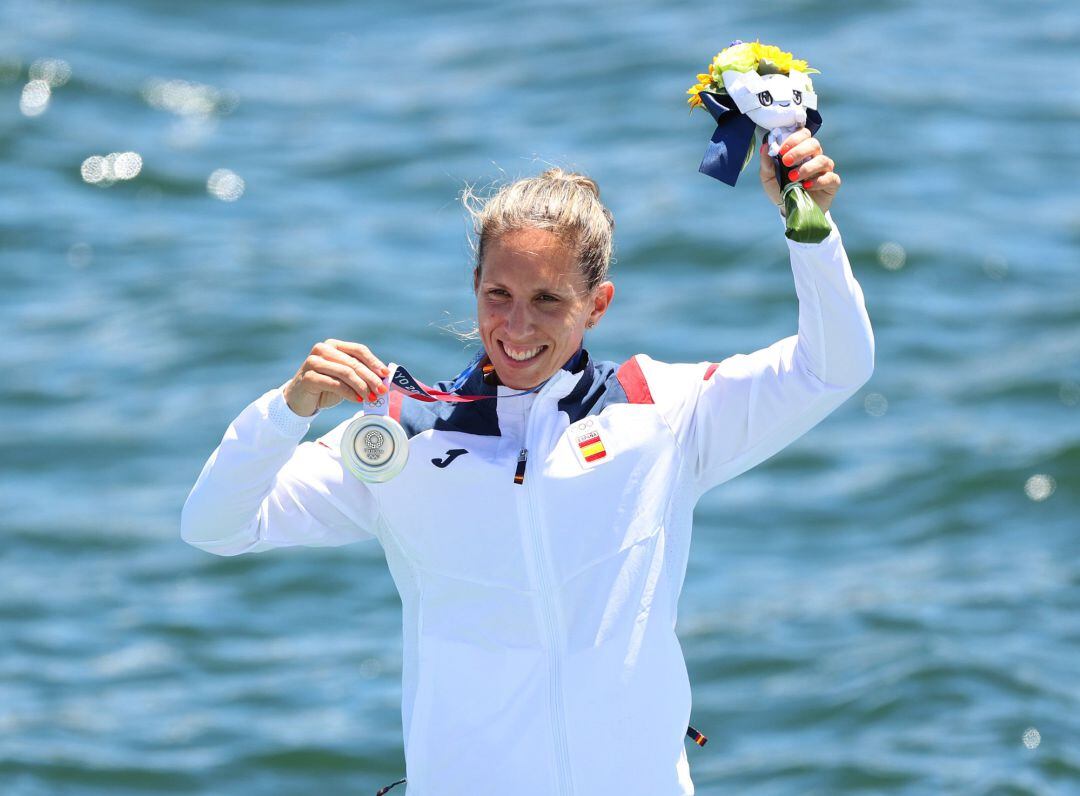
{"points": [[475, 417], [597, 389]]}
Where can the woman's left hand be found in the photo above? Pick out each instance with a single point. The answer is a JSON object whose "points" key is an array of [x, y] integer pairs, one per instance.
{"points": [[801, 153]]}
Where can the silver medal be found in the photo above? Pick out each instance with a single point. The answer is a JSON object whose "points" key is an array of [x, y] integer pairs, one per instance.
{"points": [[374, 446]]}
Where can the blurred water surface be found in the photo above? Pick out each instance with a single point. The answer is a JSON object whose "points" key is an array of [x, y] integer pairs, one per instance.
{"points": [[888, 606]]}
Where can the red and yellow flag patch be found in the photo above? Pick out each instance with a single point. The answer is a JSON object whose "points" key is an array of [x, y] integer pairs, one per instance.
{"points": [[584, 439], [591, 447]]}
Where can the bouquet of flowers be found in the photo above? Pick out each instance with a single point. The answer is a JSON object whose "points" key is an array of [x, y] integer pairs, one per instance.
{"points": [[750, 85]]}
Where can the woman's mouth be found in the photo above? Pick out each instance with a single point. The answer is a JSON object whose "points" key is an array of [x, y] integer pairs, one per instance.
{"points": [[521, 354]]}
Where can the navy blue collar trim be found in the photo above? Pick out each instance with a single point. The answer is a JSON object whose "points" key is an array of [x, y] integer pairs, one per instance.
{"points": [[482, 417]]}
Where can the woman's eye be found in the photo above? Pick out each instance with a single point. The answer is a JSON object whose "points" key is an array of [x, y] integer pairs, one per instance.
{"points": [[765, 98], [797, 96], [548, 297]]}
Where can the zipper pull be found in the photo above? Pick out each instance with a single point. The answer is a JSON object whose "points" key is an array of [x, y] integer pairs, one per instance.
{"points": [[519, 474]]}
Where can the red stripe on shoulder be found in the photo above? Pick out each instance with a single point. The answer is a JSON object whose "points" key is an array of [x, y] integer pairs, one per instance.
{"points": [[395, 404], [633, 382], [710, 370]]}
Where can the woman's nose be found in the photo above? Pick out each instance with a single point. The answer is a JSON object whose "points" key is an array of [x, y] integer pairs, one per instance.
{"points": [[518, 321]]}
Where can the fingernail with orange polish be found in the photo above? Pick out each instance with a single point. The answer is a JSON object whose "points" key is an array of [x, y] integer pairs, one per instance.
{"points": [[807, 183], [793, 174], [788, 160]]}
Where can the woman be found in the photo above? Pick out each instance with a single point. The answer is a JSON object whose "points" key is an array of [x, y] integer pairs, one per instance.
{"points": [[539, 540]]}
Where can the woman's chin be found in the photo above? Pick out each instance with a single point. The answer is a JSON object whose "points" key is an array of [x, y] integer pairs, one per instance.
{"points": [[518, 380], [521, 376]]}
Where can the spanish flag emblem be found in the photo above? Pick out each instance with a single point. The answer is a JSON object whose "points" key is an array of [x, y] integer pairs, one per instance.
{"points": [[591, 446]]}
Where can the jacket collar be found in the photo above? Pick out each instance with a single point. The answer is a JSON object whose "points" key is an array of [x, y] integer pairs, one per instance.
{"points": [[575, 386]]}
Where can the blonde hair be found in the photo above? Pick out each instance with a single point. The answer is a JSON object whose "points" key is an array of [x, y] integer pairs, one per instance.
{"points": [[562, 202]]}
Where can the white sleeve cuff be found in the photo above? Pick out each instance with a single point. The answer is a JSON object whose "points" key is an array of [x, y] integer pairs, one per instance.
{"points": [[285, 419]]}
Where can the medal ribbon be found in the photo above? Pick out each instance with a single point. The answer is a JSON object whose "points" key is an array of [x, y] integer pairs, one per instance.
{"points": [[405, 382]]}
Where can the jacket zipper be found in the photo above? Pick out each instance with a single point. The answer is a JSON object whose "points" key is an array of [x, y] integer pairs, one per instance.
{"points": [[562, 754], [519, 473]]}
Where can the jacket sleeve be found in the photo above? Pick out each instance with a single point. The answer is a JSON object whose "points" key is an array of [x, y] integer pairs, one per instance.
{"points": [[264, 488], [732, 415]]}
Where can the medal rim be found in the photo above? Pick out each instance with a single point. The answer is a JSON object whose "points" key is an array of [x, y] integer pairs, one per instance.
{"points": [[380, 472]]}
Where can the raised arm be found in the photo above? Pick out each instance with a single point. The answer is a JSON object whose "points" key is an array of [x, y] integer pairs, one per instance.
{"points": [[753, 405], [731, 415]]}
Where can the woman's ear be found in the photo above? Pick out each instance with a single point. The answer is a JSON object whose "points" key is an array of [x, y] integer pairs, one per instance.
{"points": [[602, 298], [476, 279]]}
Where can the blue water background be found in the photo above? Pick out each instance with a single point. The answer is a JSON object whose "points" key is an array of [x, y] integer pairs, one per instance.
{"points": [[890, 605]]}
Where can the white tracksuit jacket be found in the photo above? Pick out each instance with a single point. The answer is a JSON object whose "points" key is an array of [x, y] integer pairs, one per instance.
{"points": [[540, 655]]}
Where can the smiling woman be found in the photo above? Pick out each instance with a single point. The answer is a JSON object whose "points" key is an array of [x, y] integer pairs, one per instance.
{"points": [[539, 532]]}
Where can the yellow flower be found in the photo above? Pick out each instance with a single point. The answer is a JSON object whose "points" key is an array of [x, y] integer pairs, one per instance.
{"points": [[771, 52], [784, 61], [705, 83], [695, 100]]}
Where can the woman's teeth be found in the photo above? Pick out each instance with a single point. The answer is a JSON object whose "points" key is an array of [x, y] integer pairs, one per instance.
{"points": [[522, 354]]}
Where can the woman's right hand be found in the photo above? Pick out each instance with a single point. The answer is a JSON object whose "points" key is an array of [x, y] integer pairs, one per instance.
{"points": [[335, 370]]}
